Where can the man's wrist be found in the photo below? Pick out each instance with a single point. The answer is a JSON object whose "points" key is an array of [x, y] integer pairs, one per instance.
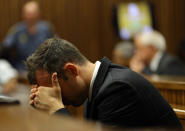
{"points": [[57, 105], [53, 110]]}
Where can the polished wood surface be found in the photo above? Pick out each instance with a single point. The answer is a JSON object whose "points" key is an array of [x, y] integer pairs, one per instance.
{"points": [[180, 111], [88, 23], [18, 118], [165, 78], [27, 119], [172, 88]]}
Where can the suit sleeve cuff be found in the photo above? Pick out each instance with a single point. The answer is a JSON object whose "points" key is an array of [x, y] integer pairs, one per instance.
{"points": [[62, 111]]}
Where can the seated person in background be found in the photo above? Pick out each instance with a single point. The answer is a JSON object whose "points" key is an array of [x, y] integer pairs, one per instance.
{"points": [[8, 77], [122, 53], [116, 95], [181, 50], [24, 37], [150, 56], [11, 91]]}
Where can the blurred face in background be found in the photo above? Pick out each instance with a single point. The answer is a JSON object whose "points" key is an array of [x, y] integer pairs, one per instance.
{"points": [[144, 52], [31, 13], [118, 58]]}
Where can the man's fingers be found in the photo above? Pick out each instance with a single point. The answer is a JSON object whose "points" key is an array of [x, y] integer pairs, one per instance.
{"points": [[55, 82], [34, 86], [31, 102], [34, 90], [32, 96]]}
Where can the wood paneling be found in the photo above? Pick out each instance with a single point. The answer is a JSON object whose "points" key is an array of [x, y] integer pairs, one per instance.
{"points": [[88, 23], [10, 12], [171, 88]]}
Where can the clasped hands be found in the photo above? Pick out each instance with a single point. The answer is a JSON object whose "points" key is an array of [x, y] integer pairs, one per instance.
{"points": [[48, 99]]}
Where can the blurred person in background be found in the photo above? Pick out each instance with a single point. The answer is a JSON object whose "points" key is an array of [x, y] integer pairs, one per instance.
{"points": [[24, 37], [8, 77], [151, 58], [181, 50], [122, 53], [10, 88]]}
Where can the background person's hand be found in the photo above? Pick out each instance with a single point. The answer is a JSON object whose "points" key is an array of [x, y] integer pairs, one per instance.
{"points": [[136, 64], [48, 98]]}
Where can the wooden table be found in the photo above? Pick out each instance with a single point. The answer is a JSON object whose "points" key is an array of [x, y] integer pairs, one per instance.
{"points": [[19, 118]]}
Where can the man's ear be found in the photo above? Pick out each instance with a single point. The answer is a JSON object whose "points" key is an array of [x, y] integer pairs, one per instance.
{"points": [[71, 69]]}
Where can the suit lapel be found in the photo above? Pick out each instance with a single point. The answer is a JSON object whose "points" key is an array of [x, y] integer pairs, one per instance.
{"points": [[102, 72], [105, 62]]}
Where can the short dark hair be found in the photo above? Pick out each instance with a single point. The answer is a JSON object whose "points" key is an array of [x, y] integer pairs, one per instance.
{"points": [[51, 56]]}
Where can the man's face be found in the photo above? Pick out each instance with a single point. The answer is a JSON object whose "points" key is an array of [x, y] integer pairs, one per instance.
{"points": [[118, 58], [31, 13], [72, 90], [143, 52]]}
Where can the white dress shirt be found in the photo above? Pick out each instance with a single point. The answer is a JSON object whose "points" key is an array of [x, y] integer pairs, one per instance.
{"points": [[7, 72], [155, 61], [97, 66]]}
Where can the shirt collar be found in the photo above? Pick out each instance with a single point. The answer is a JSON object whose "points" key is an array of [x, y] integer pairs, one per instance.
{"points": [[97, 66], [155, 61]]}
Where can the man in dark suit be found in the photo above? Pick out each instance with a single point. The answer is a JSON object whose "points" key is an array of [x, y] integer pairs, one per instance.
{"points": [[168, 65], [122, 53], [116, 95], [151, 58]]}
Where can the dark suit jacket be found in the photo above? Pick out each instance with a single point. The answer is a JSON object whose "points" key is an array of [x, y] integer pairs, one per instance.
{"points": [[121, 97], [168, 65]]}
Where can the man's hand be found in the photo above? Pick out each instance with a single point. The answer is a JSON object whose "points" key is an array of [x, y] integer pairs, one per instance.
{"points": [[136, 64], [47, 98]]}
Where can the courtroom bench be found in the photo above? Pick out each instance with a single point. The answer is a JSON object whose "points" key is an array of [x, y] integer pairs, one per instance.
{"points": [[172, 88]]}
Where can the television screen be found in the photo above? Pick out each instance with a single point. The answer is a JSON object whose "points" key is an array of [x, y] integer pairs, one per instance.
{"points": [[133, 18]]}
